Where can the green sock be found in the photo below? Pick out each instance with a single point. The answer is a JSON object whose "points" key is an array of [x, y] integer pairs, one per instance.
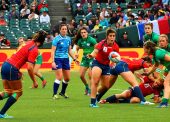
{"points": [[42, 78], [87, 86], [164, 100], [4, 95]]}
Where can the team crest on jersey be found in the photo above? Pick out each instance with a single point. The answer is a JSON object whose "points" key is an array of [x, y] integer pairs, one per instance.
{"points": [[104, 49]]}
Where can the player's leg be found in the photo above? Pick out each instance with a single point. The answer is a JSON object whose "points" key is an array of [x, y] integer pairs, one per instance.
{"points": [[16, 87], [66, 75], [83, 71], [96, 75], [7, 91], [89, 83], [130, 78], [165, 99], [59, 76], [38, 74], [104, 88]]}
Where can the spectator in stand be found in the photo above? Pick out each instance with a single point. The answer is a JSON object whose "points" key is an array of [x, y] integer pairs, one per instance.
{"points": [[132, 19], [103, 22], [24, 12], [146, 18], [79, 11], [90, 25], [4, 6], [161, 14], [100, 29], [150, 15], [33, 15], [122, 22], [44, 18], [156, 7], [97, 25], [71, 27], [2, 19], [97, 13], [22, 4], [132, 4], [147, 4], [81, 24], [109, 10], [34, 7], [124, 41], [13, 14], [114, 19], [3, 41], [6, 1], [104, 13], [117, 25], [42, 5]]}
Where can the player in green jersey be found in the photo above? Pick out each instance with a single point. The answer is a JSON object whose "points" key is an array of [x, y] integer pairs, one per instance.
{"points": [[87, 43], [149, 34], [160, 56]]}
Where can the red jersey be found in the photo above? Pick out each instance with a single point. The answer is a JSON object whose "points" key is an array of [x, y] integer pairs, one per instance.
{"points": [[134, 64], [104, 51], [27, 53], [146, 87]]}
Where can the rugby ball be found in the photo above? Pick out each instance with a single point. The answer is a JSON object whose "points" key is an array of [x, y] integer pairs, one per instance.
{"points": [[114, 57]]}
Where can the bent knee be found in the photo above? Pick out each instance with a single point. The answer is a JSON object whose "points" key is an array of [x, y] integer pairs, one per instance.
{"points": [[134, 100]]}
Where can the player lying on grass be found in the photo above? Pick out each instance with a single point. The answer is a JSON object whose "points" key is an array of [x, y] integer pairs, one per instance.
{"points": [[125, 68], [148, 86]]}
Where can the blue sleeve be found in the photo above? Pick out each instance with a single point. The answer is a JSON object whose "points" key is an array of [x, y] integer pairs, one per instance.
{"points": [[69, 41], [55, 41]]}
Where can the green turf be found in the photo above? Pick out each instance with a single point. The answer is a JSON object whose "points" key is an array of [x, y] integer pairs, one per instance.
{"points": [[36, 105]]}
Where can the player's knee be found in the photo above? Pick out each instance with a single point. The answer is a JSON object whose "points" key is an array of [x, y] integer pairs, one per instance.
{"points": [[35, 72], [134, 100]]}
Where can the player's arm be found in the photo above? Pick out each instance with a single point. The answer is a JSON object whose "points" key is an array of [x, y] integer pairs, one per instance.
{"points": [[30, 68], [93, 54], [155, 66], [73, 56], [77, 51], [53, 49]]}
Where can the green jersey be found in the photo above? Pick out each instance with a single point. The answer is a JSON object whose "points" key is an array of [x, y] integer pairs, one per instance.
{"points": [[87, 45], [153, 37], [159, 57], [167, 48]]}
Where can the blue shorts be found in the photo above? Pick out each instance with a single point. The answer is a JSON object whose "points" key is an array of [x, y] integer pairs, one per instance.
{"points": [[119, 68], [105, 68], [62, 63], [9, 72]]}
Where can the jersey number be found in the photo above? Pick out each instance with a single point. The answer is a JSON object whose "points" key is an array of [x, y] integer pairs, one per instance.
{"points": [[104, 49]]}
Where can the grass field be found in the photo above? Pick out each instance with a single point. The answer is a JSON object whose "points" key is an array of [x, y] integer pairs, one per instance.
{"points": [[36, 105]]}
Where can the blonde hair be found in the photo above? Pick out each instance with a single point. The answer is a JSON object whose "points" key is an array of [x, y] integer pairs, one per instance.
{"points": [[164, 36]]}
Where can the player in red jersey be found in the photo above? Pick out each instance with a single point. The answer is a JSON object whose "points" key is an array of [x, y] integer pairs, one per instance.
{"points": [[100, 65], [11, 76], [125, 68], [148, 86]]}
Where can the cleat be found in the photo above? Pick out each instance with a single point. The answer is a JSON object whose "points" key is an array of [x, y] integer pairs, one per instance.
{"points": [[102, 101], [63, 95], [146, 103], [55, 97], [94, 106], [5, 116], [163, 105], [44, 83]]}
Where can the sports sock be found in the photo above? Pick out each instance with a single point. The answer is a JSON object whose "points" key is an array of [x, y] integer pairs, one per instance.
{"points": [[111, 99], [42, 78], [100, 95], [93, 101], [138, 93], [87, 87], [11, 100], [56, 86], [3, 95], [164, 100], [64, 87]]}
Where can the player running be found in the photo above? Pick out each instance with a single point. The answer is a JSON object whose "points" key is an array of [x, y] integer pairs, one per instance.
{"points": [[87, 43], [11, 76], [100, 65]]}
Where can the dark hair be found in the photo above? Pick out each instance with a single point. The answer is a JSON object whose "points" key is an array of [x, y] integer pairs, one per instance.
{"points": [[149, 24], [61, 25], [110, 31], [78, 36], [40, 37], [151, 46], [147, 59], [63, 19]]}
